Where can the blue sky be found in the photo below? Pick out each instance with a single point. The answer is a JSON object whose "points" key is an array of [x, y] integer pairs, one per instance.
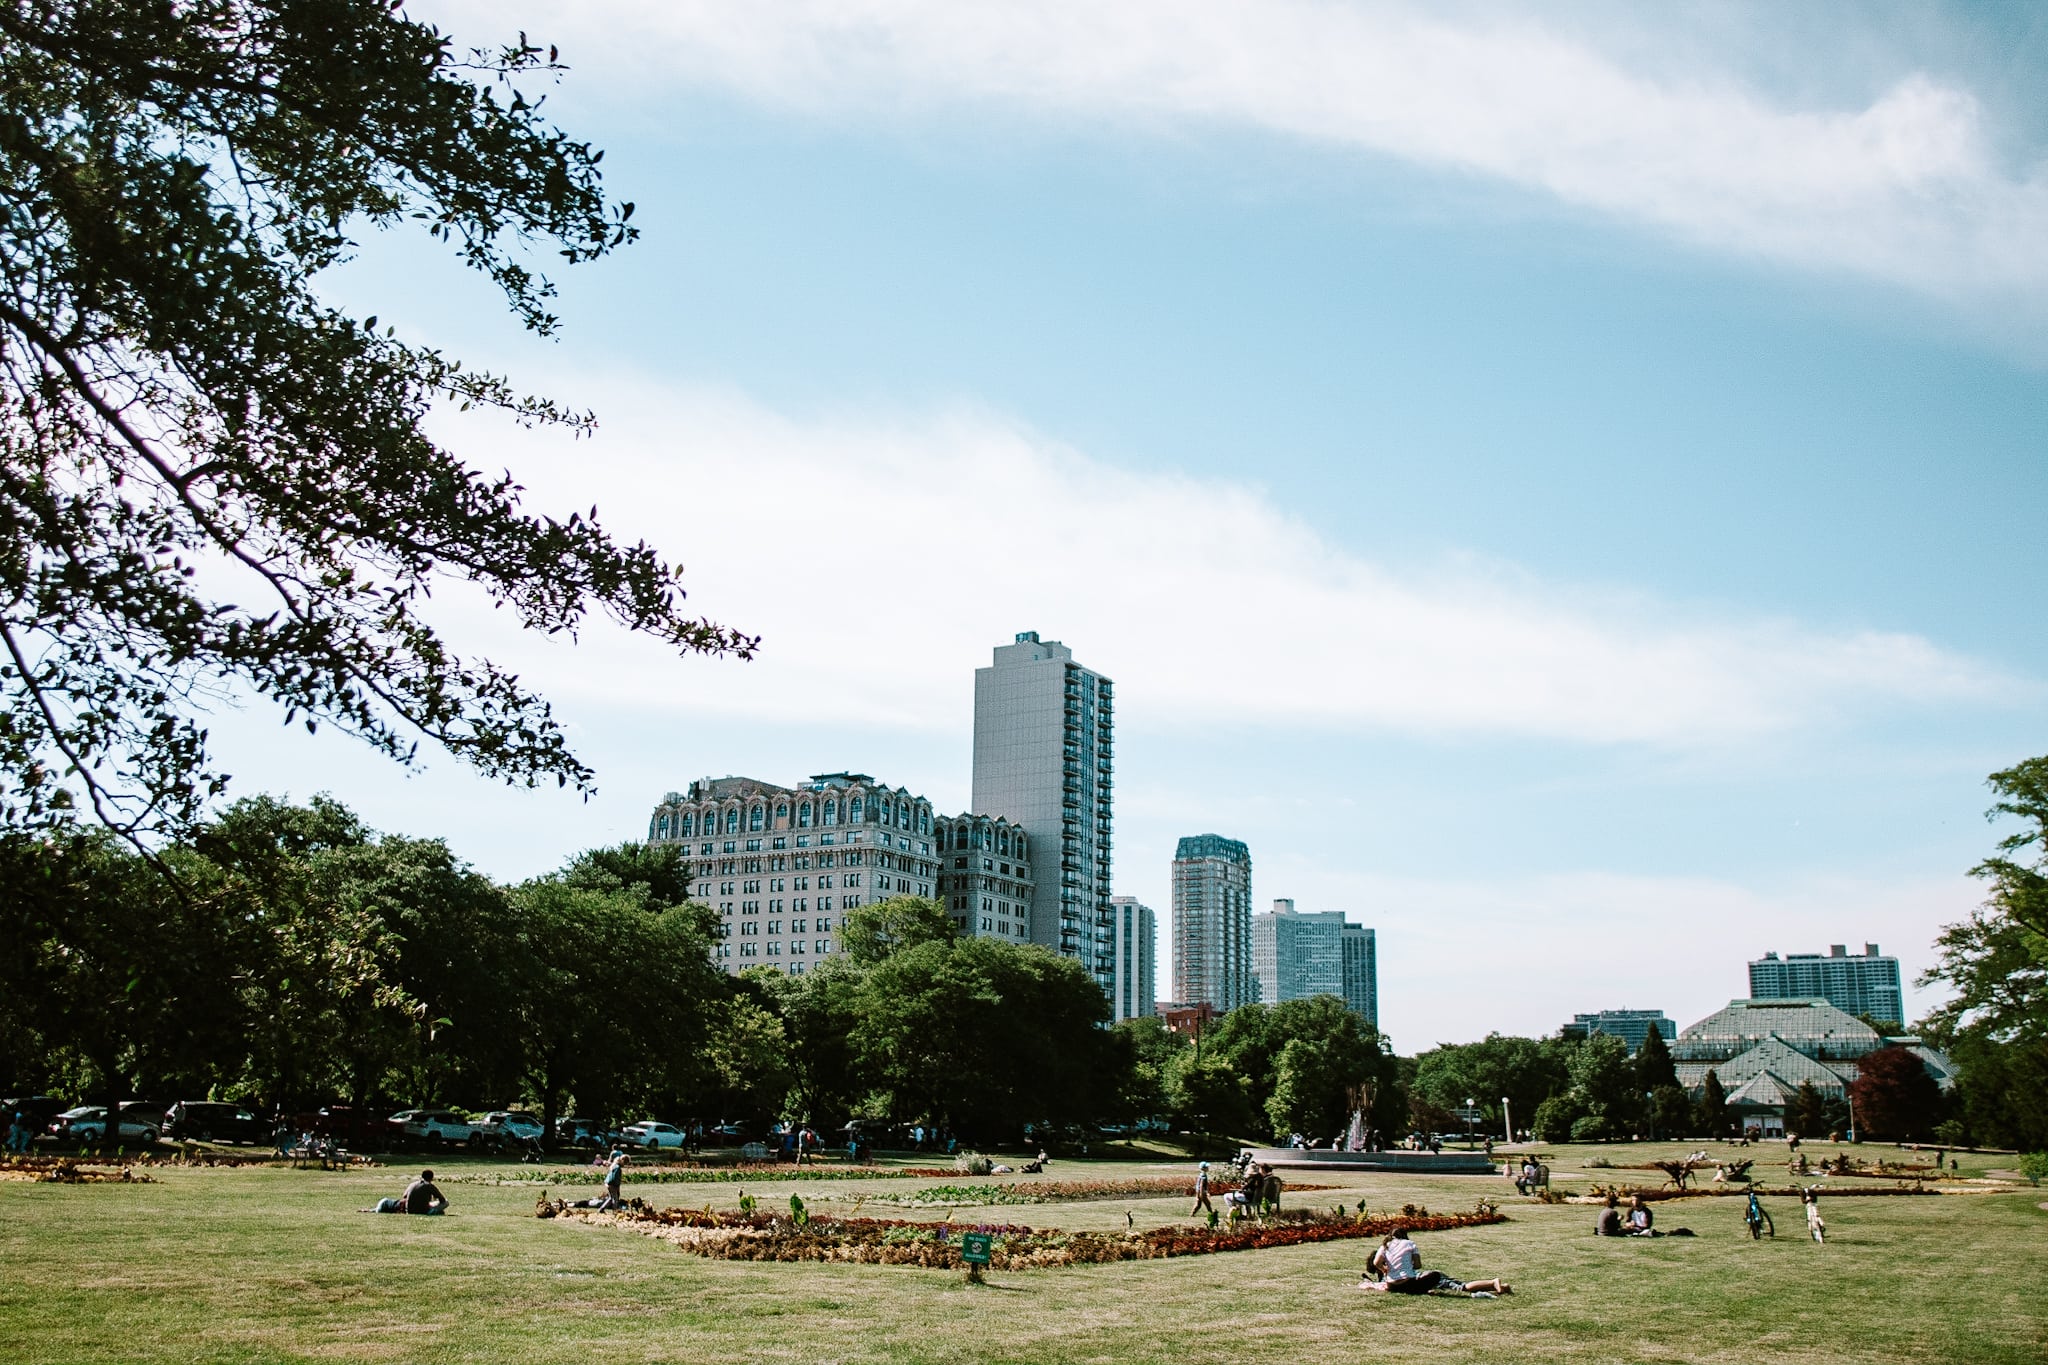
{"points": [[1565, 490]]}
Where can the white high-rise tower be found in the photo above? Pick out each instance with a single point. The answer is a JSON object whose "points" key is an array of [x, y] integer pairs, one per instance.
{"points": [[1043, 729]]}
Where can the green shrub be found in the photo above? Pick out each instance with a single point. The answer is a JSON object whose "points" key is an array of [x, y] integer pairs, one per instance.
{"points": [[1592, 1128], [1555, 1117], [2034, 1165]]}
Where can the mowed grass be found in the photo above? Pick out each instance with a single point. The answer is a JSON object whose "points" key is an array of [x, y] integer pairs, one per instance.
{"points": [[276, 1265]]}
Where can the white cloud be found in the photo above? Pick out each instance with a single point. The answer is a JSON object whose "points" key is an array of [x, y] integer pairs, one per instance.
{"points": [[1905, 186], [881, 559]]}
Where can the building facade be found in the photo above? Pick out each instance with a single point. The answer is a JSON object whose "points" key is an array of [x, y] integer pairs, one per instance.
{"points": [[1763, 1050], [1362, 972], [1044, 731], [1134, 930], [1631, 1026], [782, 865], [1297, 954], [1212, 923], [1866, 984], [985, 876]]}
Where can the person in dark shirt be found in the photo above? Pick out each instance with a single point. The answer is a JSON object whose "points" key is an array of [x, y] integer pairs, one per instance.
{"points": [[1609, 1222], [422, 1196]]}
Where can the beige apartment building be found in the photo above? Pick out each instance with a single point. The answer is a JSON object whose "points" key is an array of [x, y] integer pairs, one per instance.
{"points": [[782, 865]]}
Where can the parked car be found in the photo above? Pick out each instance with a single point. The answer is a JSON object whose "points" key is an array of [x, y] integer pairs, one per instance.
{"points": [[501, 1126], [140, 1121], [651, 1135], [212, 1121], [574, 1132], [438, 1125]]}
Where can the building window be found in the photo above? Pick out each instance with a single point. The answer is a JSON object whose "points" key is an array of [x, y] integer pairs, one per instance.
{"points": [[831, 813], [803, 815]]}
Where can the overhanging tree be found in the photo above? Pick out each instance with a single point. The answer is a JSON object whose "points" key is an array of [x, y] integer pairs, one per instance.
{"points": [[213, 480], [1996, 1025]]}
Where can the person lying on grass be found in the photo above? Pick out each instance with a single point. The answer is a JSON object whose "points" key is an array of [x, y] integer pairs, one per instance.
{"points": [[1398, 1264], [421, 1196]]}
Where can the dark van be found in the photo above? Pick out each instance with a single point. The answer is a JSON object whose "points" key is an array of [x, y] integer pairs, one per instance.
{"points": [[212, 1121]]}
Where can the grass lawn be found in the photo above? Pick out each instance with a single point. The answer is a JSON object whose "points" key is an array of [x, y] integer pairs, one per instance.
{"points": [[276, 1265]]}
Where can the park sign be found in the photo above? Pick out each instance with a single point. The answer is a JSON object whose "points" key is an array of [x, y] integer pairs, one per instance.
{"points": [[974, 1248]]}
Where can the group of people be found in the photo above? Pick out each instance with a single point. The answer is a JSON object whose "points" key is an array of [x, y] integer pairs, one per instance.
{"points": [[1637, 1222], [20, 1137]]}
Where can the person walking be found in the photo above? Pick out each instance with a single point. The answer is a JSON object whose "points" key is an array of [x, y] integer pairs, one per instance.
{"points": [[1202, 1191], [1815, 1227], [615, 1180]]}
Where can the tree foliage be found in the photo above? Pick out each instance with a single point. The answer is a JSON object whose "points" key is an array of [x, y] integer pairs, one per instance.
{"points": [[1654, 1067], [1713, 1110], [213, 480], [1894, 1096], [1996, 1024], [1523, 1071]]}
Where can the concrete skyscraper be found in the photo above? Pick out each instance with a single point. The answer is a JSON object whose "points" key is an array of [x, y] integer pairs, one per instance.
{"points": [[1043, 730], [1134, 932], [1865, 984], [1296, 955], [1212, 923]]}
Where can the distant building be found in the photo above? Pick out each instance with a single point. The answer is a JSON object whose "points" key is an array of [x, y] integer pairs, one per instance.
{"points": [[1868, 984], [782, 865], [1298, 954], [1135, 938], [1212, 923], [1043, 730], [1631, 1026], [1188, 1019], [1362, 972], [1763, 1050], [985, 876]]}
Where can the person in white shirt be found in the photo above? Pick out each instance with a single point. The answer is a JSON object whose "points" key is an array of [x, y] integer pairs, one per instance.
{"points": [[1399, 1263]]}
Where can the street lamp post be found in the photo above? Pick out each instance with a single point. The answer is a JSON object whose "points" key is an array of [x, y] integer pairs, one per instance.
{"points": [[1470, 1106], [1507, 1117]]}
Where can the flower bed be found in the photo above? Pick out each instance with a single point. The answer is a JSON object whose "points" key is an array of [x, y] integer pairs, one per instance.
{"points": [[1059, 1191], [751, 1236], [758, 1173], [65, 1170], [1654, 1194]]}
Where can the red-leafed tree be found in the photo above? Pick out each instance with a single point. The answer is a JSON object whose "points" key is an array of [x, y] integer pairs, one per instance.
{"points": [[1894, 1096]]}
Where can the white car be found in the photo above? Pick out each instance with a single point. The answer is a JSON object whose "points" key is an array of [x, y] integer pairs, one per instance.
{"points": [[651, 1135], [439, 1125], [501, 1124]]}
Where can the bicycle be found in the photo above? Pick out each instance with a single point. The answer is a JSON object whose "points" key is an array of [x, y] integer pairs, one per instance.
{"points": [[1759, 1220]]}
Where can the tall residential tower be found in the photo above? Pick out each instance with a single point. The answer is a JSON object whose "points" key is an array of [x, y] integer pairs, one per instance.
{"points": [[1134, 930], [1212, 923], [1043, 728], [1866, 984]]}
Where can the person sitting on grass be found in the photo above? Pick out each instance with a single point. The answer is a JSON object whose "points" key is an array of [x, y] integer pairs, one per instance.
{"points": [[422, 1196], [1639, 1217], [1398, 1263], [1608, 1224]]}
